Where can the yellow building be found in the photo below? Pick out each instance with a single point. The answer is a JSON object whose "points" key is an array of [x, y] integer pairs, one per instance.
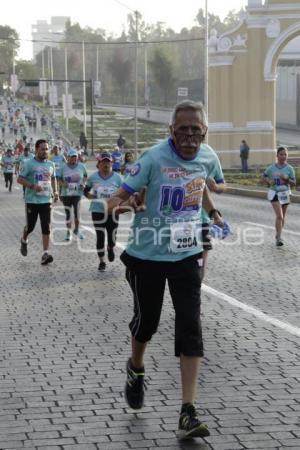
{"points": [[242, 80]]}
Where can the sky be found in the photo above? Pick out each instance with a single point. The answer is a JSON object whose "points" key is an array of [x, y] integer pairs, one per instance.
{"points": [[110, 15]]}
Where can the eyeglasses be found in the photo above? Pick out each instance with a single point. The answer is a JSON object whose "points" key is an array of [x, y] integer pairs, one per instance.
{"points": [[191, 132]]}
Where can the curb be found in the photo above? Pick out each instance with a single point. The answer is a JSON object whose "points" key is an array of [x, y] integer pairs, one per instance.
{"points": [[255, 193]]}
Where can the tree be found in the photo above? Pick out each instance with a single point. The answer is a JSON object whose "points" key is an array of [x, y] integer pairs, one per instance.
{"points": [[143, 28], [121, 70], [27, 70], [9, 45], [214, 22], [163, 72]]}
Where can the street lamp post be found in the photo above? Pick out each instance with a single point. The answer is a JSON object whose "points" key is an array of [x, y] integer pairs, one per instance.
{"points": [[66, 90], [43, 75], [136, 84], [52, 82], [84, 90], [206, 63]]}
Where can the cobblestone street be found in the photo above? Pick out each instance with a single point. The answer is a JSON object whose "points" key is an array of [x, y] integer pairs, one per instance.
{"points": [[65, 342]]}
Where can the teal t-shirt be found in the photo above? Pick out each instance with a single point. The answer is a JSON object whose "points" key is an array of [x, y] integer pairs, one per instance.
{"points": [[102, 188], [74, 176], [274, 171], [170, 228], [8, 164], [24, 159], [41, 173], [58, 161], [217, 176]]}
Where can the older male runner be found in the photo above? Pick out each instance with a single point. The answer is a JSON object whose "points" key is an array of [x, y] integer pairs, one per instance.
{"points": [[166, 246]]}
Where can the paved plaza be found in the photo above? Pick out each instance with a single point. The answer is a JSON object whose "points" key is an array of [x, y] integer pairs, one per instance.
{"points": [[65, 341]]}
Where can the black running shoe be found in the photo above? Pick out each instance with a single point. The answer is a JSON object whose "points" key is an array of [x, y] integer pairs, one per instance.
{"points": [[134, 387], [102, 266], [110, 254], [190, 425], [279, 242], [46, 259], [23, 248]]}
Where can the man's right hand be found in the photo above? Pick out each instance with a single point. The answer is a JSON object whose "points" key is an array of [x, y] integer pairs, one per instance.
{"points": [[37, 188], [137, 200]]}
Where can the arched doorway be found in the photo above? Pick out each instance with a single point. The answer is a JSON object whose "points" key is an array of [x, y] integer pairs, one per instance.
{"points": [[242, 80]]}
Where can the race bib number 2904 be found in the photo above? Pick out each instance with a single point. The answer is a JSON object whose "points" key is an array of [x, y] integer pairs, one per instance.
{"points": [[183, 237]]}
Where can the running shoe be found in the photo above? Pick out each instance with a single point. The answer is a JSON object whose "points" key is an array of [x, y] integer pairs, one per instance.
{"points": [[110, 254], [190, 425], [46, 259], [279, 242], [78, 234], [23, 248], [68, 236], [102, 266], [134, 387]]}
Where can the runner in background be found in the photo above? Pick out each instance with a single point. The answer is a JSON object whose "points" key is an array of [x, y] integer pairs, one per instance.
{"points": [[280, 177], [8, 163], [72, 179], [100, 186], [38, 177]]}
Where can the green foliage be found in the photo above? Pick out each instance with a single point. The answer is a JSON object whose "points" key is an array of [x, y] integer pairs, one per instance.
{"points": [[214, 22], [163, 71], [250, 179], [120, 69], [26, 70], [297, 171], [177, 61], [9, 45]]}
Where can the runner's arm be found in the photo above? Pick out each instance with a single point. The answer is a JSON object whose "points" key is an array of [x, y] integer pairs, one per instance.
{"points": [[209, 206], [24, 182], [87, 193]]}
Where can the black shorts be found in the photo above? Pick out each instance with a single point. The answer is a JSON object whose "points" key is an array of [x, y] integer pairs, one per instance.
{"points": [[33, 210], [275, 199], [69, 202], [147, 280], [206, 238]]}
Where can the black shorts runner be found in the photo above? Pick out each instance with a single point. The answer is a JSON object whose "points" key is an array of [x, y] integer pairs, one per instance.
{"points": [[33, 210], [147, 280], [69, 202]]}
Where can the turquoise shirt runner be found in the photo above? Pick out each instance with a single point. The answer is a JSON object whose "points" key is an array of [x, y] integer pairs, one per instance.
{"points": [[274, 171], [170, 229], [8, 164], [74, 176], [41, 173], [102, 188], [58, 161], [24, 159]]}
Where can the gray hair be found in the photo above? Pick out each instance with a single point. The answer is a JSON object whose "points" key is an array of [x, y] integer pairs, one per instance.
{"points": [[186, 105]]}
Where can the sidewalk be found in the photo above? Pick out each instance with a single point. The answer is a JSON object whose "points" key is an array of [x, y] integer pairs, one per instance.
{"points": [[256, 192]]}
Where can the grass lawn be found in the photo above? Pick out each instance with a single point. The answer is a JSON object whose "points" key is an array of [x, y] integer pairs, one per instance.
{"points": [[249, 179]]}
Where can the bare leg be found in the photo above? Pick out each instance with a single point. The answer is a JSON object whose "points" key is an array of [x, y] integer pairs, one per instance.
{"points": [[138, 350], [46, 239], [284, 210], [76, 222], [279, 218], [189, 366], [25, 234]]}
